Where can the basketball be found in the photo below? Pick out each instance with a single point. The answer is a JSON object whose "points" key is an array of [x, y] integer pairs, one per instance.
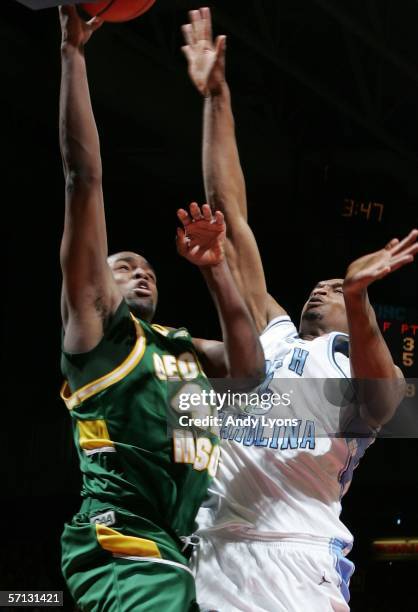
{"points": [[117, 10]]}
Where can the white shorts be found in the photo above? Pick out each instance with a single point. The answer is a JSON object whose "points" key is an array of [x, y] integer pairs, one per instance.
{"points": [[279, 576]]}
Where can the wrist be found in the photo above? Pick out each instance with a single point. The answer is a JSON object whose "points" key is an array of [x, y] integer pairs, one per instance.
{"points": [[351, 291], [69, 48], [217, 91], [356, 300], [215, 269]]}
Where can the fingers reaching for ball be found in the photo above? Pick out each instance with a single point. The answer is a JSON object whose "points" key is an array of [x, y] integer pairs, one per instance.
{"points": [[202, 238]]}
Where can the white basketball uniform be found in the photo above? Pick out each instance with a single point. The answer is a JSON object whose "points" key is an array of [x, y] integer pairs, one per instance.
{"points": [[271, 536]]}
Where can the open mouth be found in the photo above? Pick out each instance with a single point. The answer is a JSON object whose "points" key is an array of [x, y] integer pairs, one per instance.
{"points": [[142, 290], [315, 302]]}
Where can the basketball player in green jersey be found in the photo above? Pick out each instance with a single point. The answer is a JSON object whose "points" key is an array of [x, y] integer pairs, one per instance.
{"points": [[142, 488]]}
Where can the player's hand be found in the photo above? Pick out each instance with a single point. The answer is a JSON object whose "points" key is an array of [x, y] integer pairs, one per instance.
{"points": [[202, 238], [206, 59], [75, 31], [364, 271]]}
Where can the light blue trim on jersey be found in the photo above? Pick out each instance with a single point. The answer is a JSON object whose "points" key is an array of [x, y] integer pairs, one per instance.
{"points": [[344, 470], [363, 443], [343, 566], [331, 352]]}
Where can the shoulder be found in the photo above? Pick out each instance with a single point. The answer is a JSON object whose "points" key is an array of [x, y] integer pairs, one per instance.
{"points": [[278, 335], [123, 336], [280, 327]]}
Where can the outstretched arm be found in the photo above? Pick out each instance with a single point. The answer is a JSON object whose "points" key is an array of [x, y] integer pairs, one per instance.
{"points": [[89, 293], [380, 383], [202, 242], [224, 180]]}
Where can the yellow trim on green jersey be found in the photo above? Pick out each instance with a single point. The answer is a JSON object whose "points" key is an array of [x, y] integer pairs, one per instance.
{"points": [[119, 544], [93, 434], [160, 329], [94, 387]]}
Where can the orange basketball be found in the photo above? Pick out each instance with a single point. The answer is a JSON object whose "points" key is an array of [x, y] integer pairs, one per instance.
{"points": [[117, 10]]}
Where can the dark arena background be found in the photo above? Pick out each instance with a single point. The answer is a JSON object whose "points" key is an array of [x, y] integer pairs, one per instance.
{"points": [[325, 95]]}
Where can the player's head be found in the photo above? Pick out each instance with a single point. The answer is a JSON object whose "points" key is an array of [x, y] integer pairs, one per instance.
{"points": [[137, 282], [324, 311]]}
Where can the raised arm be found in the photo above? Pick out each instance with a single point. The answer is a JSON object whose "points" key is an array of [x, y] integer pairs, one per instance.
{"points": [[89, 293], [224, 180], [380, 383], [240, 355]]}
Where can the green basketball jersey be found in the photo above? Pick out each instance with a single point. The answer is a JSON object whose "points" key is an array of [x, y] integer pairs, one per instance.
{"points": [[132, 452]]}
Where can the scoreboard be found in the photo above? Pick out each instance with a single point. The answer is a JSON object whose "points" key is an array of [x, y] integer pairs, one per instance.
{"points": [[399, 326]]}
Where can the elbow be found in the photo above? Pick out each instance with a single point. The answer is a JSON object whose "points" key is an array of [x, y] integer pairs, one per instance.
{"points": [[380, 404], [257, 374], [77, 183], [78, 177], [80, 165], [254, 379], [249, 374], [224, 198]]}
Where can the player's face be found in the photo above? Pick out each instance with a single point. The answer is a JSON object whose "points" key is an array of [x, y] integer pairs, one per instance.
{"points": [[136, 281], [326, 307]]}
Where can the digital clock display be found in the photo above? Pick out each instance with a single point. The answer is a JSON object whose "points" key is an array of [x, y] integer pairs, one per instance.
{"points": [[369, 211]]}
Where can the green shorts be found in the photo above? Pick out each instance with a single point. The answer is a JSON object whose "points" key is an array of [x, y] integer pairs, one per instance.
{"points": [[124, 563]]}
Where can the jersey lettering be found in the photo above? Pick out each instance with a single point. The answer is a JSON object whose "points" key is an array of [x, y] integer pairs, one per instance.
{"points": [[203, 451], [198, 451], [290, 437], [308, 435], [169, 367], [187, 366], [214, 460], [298, 361], [271, 367], [159, 367], [282, 437]]}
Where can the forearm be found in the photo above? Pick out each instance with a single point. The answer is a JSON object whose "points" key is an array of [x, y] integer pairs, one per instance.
{"points": [[369, 353], [225, 191], [84, 243], [379, 383], [223, 177], [79, 138], [243, 351]]}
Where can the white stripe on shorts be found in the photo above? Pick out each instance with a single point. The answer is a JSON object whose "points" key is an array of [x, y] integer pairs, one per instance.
{"points": [[155, 560]]}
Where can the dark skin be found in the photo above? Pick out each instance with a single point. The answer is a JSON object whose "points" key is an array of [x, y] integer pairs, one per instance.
{"points": [[324, 311], [137, 283], [93, 283], [334, 305]]}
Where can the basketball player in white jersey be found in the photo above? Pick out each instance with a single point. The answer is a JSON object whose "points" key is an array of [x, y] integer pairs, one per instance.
{"points": [[272, 539]]}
